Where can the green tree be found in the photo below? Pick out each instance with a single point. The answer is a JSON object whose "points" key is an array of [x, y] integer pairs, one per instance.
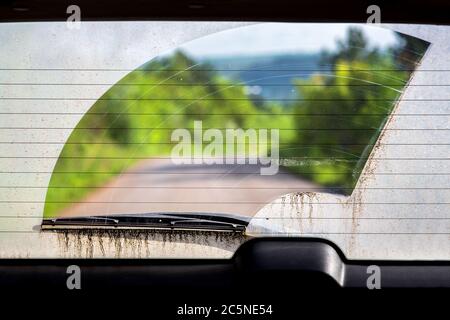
{"points": [[343, 111]]}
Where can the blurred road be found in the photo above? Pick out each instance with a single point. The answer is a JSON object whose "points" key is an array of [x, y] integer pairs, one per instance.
{"points": [[161, 186]]}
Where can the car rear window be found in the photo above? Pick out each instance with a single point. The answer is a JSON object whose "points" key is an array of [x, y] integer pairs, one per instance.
{"points": [[254, 121]]}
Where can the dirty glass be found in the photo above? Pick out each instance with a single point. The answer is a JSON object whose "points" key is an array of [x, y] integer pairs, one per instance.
{"points": [[185, 139], [309, 101]]}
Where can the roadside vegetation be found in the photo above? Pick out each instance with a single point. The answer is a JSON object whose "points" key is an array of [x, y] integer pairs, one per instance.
{"points": [[325, 135]]}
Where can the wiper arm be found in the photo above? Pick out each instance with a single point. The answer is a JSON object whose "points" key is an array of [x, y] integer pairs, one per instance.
{"points": [[180, 221]]}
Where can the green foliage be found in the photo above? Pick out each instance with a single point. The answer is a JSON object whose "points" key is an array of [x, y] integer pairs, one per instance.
{"points": [[336, 121], [347, 109], [171, 92]]}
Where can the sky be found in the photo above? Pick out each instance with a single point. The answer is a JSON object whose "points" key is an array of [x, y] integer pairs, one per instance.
{"points": [[130, 44], [269, 38]]}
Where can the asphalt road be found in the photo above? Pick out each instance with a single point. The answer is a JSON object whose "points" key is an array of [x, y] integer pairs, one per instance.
{"points": [[161, 186]]}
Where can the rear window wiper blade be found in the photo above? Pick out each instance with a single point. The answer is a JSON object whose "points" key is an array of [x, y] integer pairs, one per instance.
{"points": [[186, 221], [208, 224], [88, 220]]}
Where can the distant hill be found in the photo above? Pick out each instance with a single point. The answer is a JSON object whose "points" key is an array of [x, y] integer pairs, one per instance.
{"points": [[269, 76]]}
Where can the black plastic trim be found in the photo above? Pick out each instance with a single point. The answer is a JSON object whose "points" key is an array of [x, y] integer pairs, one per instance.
{"points": [[258, 263], [400, 11]]}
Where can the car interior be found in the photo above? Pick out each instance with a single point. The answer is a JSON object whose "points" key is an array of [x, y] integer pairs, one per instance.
{"points": [[217, 149]]}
